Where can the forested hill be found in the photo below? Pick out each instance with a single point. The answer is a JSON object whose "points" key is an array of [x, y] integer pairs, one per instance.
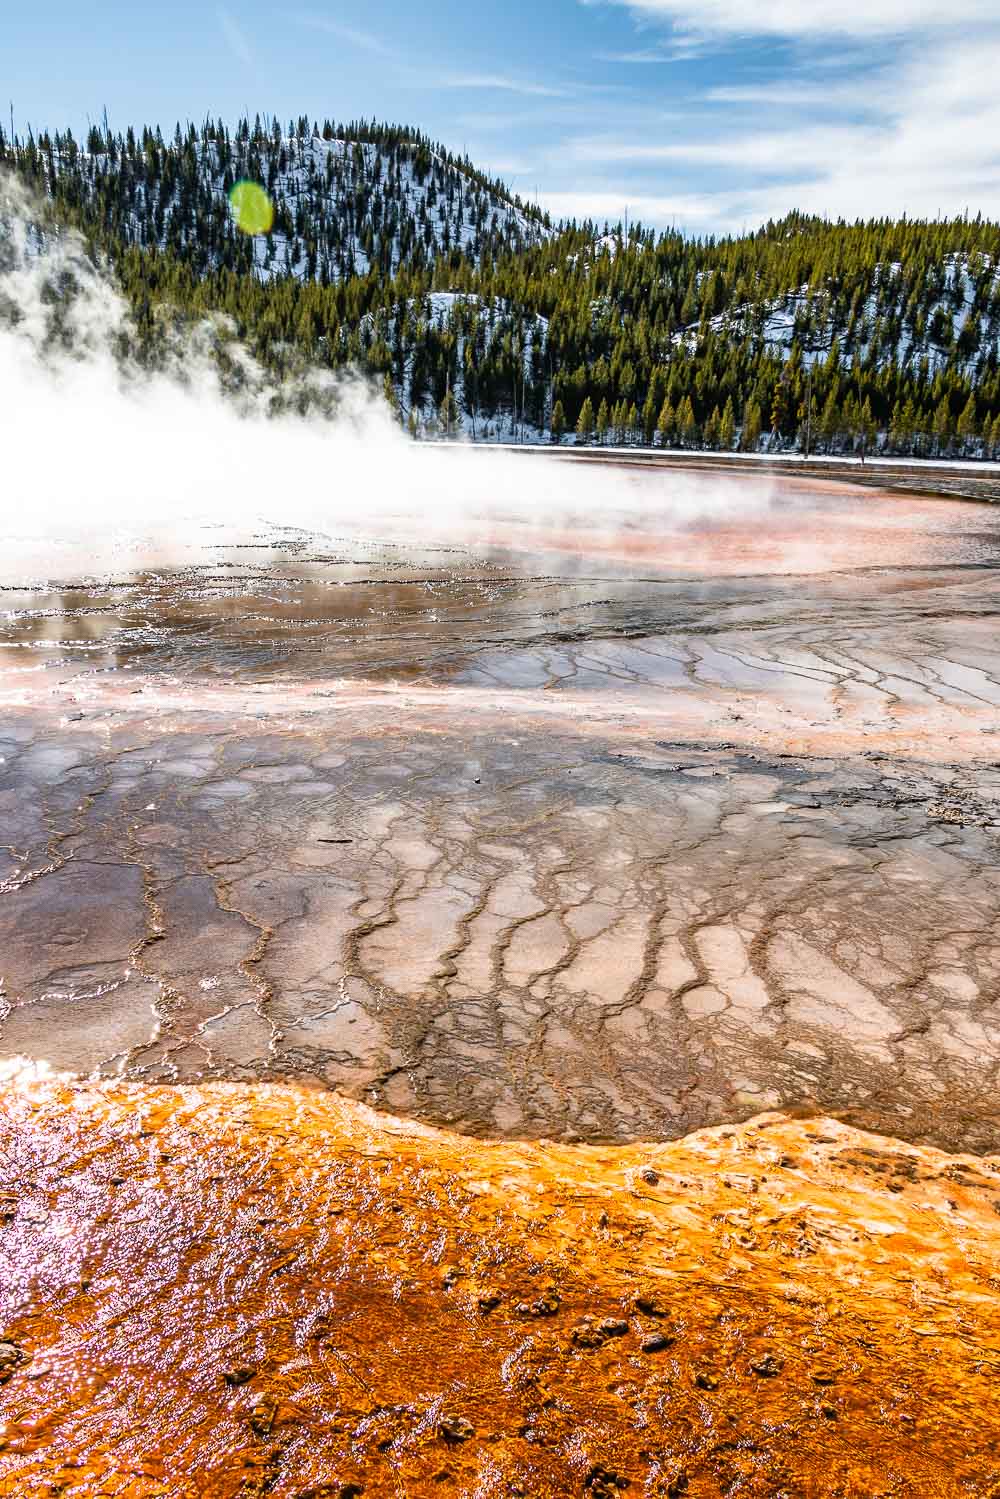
{"points": [[477, 315], [346, 198]]}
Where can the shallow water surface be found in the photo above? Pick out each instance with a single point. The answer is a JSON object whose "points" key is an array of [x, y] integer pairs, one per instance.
{"points": [[607, 830]]}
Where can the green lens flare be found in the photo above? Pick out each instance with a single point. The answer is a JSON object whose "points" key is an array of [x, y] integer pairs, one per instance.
{"points": [[252, 208]]}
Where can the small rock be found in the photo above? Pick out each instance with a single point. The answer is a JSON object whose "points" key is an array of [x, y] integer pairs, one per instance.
{"points": [[236, 1377], [650, 1305], [705, 1381], [655, 1342], [651, 1177], [767, 1366], [829, 1411], [587, 1335], [264, 1415], [455, 1428], [10, 1357], [546, 1306], [613, 1327], [823, 1376], [603, 1483], [488, 1300]]}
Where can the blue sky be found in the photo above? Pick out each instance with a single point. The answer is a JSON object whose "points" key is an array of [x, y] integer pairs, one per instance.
{"points": [[708, 114]]}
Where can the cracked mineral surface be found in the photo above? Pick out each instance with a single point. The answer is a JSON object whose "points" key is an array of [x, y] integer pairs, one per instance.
{"points": [[537, 831], [321, 856]]}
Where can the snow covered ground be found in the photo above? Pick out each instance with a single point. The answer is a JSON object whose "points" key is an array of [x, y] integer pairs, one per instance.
{"points": [[965, 314]]}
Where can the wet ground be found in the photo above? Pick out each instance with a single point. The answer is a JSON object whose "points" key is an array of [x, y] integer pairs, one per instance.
{"points": [[577, 834], [531, 830], [220, 1292]]}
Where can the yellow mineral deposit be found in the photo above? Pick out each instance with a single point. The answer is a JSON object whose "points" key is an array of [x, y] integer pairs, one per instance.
{"points": [[224, 1290], [507, 1013]]}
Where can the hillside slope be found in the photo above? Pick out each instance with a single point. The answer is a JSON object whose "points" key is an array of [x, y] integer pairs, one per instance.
{"points": [[346, 199], [478, 316]]}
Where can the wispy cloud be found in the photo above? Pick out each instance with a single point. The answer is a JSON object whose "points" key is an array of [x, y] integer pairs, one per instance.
{"points": [[842, 107], [500, 82], [353, 35], [233, 32], [815, 18], [651, 56]]}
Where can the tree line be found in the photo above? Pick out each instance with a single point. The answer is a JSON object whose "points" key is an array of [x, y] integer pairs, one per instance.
{"points": [[472, 312]]}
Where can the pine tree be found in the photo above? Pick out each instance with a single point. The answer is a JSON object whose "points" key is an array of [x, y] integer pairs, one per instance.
{"points": [[557, 424], [942, 427], [687, 426], [649, 420], [868, 427], [727, 427], [752, 426], [603, 421], [967, 428], [448, 413], [665, 424], [830, 423], [585, 422]]}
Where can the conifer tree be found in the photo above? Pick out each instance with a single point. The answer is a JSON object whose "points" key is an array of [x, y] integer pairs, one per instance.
{"points": [[602, 421], [557, 424], [727, 426], [585, 422], [665, 424], [942, 428], [687, 426], [967, 428], [648, 420], [752, 425], [448, 416]]}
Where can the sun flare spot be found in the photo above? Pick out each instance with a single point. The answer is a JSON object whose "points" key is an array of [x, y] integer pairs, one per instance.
{"points": [[252, 209]]}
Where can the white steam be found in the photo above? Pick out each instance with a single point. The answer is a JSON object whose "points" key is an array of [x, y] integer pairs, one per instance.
{"points": [[106, 465]]}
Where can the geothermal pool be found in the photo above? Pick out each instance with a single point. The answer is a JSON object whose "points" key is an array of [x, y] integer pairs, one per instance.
{"points": [[376, 909], [598, 834]]}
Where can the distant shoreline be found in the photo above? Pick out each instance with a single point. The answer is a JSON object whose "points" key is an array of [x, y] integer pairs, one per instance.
{"points": [[958, 479]]}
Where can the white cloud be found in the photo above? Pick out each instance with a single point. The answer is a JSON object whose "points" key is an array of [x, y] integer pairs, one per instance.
{"points": [[350, 34], [815, 18], [500, 82], [915, 130], [681, 51], [238, 44]]}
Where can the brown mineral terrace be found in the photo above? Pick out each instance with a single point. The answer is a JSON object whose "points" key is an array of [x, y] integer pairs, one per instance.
{"points": [[606, 830], [222, 1291]]}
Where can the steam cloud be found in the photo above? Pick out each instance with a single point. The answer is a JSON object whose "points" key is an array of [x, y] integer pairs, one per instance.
{"points": [[105, 463]]}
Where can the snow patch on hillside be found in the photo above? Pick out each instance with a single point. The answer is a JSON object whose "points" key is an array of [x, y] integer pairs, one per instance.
{"points": [[959, 327]]}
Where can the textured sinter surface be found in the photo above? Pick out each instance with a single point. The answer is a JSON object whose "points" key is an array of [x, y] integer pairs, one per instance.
{"points": [[628, 852], [528, 933], [222, 1291]]}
